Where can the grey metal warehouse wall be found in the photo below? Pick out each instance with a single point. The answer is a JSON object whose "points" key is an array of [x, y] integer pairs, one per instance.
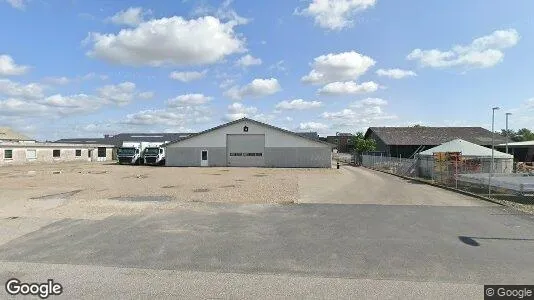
{"points": [[316, 157], [190, 156]]}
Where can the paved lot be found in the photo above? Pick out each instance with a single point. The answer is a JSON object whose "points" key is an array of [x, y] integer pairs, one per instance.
{"points": [[364, 186], [418, 242]]}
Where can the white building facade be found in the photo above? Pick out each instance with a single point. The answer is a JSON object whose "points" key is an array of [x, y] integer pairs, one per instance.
{"points": [[249, 143], [26, 153]]}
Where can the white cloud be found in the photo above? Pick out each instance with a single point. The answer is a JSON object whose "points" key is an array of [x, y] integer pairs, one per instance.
{"points": [[335, 14], [361, 113], [238, 110], [312, 126], [17, 107], [168, 41], [29, 100], [120, 94], [133, 16], [18, 4], [395, 73], [177, 116], [8, 67], [57, 80], [53, 106], [68, 105], [18, 90], [189, 99], [226, 83], [483, 52], [257, 88], [369, 102], [63, 80], [338, 67], [146, 95], [223, 12], [188, 76], [348, 88], [279, 66], [248, 60], [298, 104], [93, 75]]}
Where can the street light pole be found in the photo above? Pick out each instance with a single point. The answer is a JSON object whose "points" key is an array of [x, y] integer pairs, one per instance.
{"points": [[492, 147], [507, 133]]}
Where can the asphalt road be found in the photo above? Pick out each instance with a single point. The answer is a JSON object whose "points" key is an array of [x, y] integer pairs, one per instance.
{"points": [[359, 185], [457, 245], [333, 251]]}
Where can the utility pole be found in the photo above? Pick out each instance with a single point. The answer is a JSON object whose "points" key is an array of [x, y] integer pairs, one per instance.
{"points": [[492, 147], [507, 115]]}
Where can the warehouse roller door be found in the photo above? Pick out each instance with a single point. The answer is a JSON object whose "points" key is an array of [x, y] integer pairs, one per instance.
{"points": [[245, 150]]}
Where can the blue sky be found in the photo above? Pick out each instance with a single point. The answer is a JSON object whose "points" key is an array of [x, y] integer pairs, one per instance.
{"points": [[75, 68]]}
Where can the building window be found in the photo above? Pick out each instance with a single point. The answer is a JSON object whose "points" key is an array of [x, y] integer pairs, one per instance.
{"points": [[31, 154], [8, 154], [204, 155], [56, 153], [78, 153], [101, 151]]}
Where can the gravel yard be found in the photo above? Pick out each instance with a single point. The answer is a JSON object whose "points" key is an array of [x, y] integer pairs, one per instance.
{"points": [[97, 190]]}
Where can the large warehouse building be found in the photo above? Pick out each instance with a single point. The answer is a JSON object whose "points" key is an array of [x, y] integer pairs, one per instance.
{"points": [[249, 143]]}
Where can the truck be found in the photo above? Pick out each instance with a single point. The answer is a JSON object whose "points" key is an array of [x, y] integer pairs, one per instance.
{"points": [[131, 153], [154, 154]]}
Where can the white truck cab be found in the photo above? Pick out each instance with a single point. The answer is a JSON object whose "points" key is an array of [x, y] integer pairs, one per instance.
{"points": [[131, 153], [155, 155]]}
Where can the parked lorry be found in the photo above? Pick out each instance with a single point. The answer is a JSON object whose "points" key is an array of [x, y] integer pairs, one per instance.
{"points": [[154, 154], [131, 153]]}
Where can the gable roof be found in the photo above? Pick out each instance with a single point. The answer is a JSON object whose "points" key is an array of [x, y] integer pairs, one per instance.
{"points": [[81, 141], [467, 149], [7, 134], [431, 136], [255, 122], [312, 135], [118, 139], [519, 144]]}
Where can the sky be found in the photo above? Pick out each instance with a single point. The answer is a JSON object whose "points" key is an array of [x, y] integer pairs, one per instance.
{"points": [[80, 68]]}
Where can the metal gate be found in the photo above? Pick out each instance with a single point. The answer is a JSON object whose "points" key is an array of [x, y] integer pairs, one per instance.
{"points": [[245, 150]]}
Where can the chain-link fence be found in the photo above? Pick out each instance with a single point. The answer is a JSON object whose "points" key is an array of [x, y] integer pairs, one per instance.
{"points": [[509, 183], [343, 158], [395, 165]]}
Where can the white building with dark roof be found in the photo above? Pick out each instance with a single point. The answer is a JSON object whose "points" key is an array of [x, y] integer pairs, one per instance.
{"points": [[17, 149], [249, 143]]}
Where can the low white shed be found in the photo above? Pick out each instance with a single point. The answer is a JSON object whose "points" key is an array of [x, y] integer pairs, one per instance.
{"points": [[475, 158]]}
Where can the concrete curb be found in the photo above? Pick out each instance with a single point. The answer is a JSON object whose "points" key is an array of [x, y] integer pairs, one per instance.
{"points": [[439, 186]]}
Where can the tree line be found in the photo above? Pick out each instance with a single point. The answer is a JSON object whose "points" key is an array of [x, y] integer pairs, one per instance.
{"points": [[521, 135]]}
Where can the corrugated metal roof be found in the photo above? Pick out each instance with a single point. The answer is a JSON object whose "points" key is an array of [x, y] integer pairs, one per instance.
{"points": [[466, 148], [118, 139], [53, 145], [431, 136], [7, 133], [525, 144], [256, 122], [311, 135]]}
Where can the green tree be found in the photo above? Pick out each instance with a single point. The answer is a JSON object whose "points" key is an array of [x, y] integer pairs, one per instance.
{"points": [[521, 135], [362, 145], [525, 134]]}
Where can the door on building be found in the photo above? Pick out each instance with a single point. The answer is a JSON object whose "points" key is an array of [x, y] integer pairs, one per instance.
{"points": [[204, 158], [101, 151], [245, 150], [90, 155]]}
